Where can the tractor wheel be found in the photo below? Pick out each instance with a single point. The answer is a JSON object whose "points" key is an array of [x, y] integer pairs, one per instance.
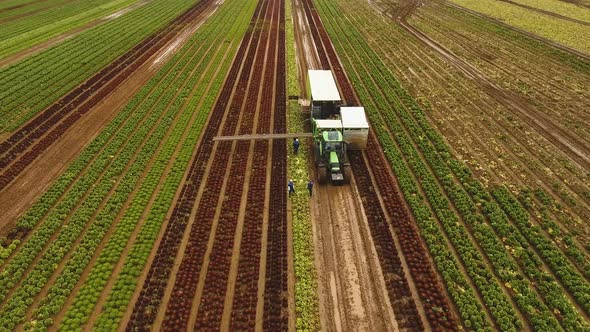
{"points": [[347, 174], [322, 175]]}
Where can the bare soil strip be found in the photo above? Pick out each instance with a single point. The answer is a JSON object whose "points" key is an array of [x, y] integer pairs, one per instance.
{"points": [[119, 265], [20, 194]]}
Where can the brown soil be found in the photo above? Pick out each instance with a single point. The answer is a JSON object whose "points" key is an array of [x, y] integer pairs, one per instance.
{"points": [[352, 290]]}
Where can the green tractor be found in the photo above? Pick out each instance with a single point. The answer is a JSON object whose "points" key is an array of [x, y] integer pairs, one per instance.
{"points": [[335, 128], [330, 152]]}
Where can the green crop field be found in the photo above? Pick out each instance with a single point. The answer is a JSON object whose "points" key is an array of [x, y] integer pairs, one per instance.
{"points": [[146, 149]]}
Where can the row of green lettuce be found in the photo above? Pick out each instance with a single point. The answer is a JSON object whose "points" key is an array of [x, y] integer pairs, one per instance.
{"points": [[306, 286], [159, 128], [28, 26], [499, 252], [31, 85]]}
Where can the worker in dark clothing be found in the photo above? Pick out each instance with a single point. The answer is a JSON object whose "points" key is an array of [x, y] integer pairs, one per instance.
{"points": [[296, 145], [291, 186], [310, 186]]}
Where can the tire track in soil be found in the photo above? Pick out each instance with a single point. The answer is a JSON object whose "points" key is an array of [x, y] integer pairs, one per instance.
{"points": [[435, 287], [26, 144], [568, 142], [507, 149]]}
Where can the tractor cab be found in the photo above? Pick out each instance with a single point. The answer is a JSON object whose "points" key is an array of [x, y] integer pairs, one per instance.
{"points": [[330, 150]]}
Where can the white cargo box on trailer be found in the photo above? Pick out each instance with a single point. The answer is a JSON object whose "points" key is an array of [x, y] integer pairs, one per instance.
{"points": [[355, 127], [322, 86]]}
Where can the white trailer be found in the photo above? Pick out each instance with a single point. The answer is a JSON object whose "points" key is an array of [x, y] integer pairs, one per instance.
{"points": [[355, 127]]}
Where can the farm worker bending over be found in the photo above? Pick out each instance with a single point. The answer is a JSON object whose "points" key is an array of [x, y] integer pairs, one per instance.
{"points": [[291, 186], [310, 186], [296, 145]]}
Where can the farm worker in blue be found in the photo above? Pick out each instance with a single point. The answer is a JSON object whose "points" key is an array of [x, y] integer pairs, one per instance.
{"points": [[291, 186], [296, 145], [310, 186]]}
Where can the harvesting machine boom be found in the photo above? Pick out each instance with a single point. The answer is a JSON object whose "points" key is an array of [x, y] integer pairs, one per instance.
{"points": [[335, 128]]}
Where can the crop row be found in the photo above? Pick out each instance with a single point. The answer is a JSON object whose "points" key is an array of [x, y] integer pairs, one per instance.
{"points": [[438, 142], [154, 139], [156, 281], [126, 283], [541, 203], [306, 296], [465, 198], [41, 208], [438, 309], [38, 81], [71, 107], [124, 135], [77, 224], [19, 33], [486, 238], [243, 314], [276, 316], [211, 306], [201, 59], [469, 308], [540, 316], [396, 283], [398, 289]]}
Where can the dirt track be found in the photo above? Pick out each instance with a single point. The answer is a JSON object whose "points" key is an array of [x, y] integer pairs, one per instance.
{"points": [[352, 290], [341, 238]]}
